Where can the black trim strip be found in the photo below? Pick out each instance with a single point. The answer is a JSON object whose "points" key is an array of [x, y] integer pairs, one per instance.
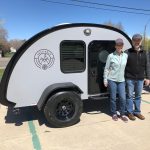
{"points": [[27, 44]]}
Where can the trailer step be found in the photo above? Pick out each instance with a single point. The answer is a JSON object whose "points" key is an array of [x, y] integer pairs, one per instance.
{"points": [[99, 97]]}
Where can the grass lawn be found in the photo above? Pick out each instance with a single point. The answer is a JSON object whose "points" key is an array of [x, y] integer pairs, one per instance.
{"points": [[8, 54], [1, 72]]}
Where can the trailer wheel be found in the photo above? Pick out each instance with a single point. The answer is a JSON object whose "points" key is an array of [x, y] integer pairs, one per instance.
{"points": [[63, 109]]}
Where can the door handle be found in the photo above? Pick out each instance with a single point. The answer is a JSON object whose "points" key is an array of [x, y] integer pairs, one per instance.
{"points": [[93, 73]]}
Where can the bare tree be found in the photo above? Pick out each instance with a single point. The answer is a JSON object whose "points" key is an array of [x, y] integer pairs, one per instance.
{"points": [[16, 43], [3, 33], [2, 22], [4, 45], [118, 25]]}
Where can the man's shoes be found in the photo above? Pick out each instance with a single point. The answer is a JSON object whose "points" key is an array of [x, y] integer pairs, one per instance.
{"points": [[131, 117], [140, 116], [115, 117], [124, 118]]}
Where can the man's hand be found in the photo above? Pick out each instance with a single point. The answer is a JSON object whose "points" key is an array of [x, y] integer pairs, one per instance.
{"points": [[146, 82]]}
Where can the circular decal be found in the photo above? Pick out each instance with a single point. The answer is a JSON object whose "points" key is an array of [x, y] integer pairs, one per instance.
{"points": [[44, 59]]}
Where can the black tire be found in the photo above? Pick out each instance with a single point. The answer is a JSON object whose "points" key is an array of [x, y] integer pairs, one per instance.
{"points": [[63, 109]]}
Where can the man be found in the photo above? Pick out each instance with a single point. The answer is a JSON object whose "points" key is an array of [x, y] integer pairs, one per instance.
{"points": [[137, 72]]}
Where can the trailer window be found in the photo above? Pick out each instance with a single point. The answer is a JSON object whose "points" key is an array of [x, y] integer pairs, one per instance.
{"points": [[72, 56]]}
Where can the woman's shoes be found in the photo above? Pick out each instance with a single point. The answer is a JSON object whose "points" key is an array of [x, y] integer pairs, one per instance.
{"points": [[115, 117], [123, 118]]}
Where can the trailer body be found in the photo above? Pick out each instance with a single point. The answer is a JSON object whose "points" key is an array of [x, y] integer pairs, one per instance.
{"points": [[68, 57]]}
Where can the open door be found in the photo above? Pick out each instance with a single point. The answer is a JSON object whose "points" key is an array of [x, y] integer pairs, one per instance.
{"points": [[97, 55]]}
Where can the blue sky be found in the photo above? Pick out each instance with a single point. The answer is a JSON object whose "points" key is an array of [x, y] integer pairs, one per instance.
{"points": [[24, 18]]}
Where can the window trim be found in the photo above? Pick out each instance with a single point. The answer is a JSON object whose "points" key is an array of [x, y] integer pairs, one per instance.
{"points": [[84, 50]]}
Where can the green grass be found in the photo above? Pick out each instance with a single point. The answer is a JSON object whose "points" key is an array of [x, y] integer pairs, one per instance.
{"points": [[1, 72], [8, 54]]}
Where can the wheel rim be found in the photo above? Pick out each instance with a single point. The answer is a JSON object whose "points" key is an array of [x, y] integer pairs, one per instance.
{"points": [[65, 110]]}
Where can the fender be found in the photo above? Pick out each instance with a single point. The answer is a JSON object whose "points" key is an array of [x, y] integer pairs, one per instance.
{"points": [[54, 88]]}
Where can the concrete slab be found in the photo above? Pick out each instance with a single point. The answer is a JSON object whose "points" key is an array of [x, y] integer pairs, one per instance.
{"points": [[3, 62], [95, 131], [14, 137]]}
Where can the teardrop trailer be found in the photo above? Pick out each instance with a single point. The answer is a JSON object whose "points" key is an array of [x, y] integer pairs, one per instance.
{"points": [[58, 68]]}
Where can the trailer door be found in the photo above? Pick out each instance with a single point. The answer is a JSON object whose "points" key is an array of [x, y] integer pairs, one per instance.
{"points": [[97, 55]]}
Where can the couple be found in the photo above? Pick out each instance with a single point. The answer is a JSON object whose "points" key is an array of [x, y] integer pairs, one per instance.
{"points": [[125, 73]]}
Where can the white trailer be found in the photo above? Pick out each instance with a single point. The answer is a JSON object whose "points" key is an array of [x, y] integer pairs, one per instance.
{"points": [[58, 68]]}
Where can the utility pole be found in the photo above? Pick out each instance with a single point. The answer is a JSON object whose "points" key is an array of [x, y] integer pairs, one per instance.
{"points": [[145, 27], [144, 37]]}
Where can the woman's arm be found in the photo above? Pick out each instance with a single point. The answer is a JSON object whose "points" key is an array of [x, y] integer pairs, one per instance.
{"points": [[106, 70]]}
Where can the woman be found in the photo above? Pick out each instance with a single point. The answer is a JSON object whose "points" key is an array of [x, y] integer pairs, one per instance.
{"points": [[114, 79]]}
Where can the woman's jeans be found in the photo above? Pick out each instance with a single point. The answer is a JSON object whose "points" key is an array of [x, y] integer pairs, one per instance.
{"points": [[114, 89], [134, 91]]}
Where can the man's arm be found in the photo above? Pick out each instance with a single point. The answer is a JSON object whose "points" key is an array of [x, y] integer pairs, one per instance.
{"points": [[147, 69]]}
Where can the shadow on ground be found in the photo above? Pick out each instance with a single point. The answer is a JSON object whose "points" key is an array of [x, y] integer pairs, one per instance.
{"points": [[19, 116], [146, 88]]}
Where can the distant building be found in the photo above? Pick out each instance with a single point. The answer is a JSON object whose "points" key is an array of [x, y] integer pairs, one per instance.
{"points": [[12, 50]]}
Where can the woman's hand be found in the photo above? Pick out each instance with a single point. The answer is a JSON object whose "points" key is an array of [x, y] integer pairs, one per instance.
{"points": [[105, 84]]}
